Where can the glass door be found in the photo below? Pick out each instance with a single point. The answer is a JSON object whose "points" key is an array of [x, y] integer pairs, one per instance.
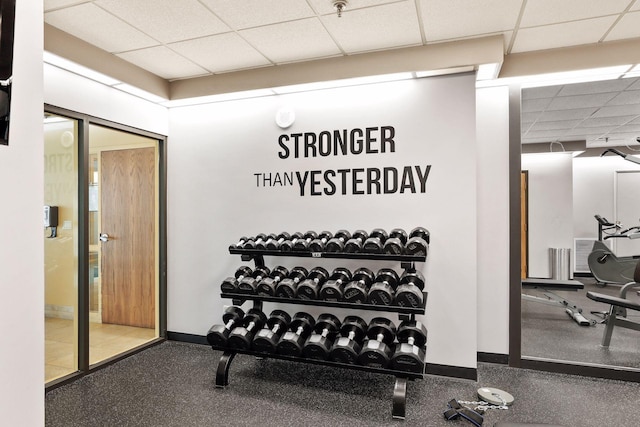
{"points": [[60, 245], [104, 243]]}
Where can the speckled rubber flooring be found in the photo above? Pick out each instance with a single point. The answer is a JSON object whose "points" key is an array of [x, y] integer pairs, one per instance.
{"points": [[172, 384]]}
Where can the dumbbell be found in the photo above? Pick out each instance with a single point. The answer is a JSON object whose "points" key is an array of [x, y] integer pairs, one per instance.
{"points": [[347, 348], [249, 285], [266, 340], [375, 243], [418, 243], [376, 351], [251, 243], [318, 244], [409, 290], [333, 289], [354, 245], [319, 344], [394, 245], [242, 336], [293, 340], [267, 286], [382, 291], [310, 287], [274, 244], [336, 244], [357, 290], [409, 354], [302, 245], [288, 288], [261, 244], [230, 284], [287, 245], [217, 335], [240, 243]]}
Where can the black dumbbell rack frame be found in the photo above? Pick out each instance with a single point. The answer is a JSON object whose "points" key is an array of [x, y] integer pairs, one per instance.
{"points": [[405, 313]]}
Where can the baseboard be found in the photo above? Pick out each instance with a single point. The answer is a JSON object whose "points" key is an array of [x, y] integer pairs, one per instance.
{"points": [[58, 311], [452, 371], [190, 338], [582, 275], [502, 359]]}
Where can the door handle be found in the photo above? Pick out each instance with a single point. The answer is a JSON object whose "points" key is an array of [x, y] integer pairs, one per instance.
{"points": [[104, 237]]}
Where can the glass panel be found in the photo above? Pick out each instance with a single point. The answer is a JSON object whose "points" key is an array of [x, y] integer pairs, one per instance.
{"points": [[123, 222], [60, 245]]}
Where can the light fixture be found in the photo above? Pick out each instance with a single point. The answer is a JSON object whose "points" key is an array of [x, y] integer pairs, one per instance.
{"points": [[339, 5]]}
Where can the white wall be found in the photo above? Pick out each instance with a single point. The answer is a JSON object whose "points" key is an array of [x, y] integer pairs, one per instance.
{"points": [[492, 115], [593, 191], [21, 247], [550, 201], [213, 199], [68, 90]]}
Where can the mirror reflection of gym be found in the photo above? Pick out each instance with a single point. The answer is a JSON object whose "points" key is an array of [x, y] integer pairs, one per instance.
{"points": [[582, 215]]}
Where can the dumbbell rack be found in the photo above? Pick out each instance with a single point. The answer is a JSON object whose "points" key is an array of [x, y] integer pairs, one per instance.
{"points": [[407, 262]]}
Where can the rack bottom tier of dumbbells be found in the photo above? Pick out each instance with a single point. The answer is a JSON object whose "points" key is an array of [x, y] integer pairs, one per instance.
{"points": [[399, 390]]}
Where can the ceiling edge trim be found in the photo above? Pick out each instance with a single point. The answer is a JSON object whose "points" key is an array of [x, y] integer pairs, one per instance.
{"points": [[74, 49], [575, 58], [419, 58]]}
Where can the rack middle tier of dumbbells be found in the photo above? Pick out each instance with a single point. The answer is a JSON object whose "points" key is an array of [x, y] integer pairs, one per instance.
{"points": [[405, 313]]}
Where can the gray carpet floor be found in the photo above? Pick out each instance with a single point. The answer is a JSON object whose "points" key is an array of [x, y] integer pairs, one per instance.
{"points": [[172, 384], [548, 332]]}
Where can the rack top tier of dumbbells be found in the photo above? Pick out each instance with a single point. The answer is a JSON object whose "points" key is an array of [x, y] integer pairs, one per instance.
{"points": [[396, 245]]}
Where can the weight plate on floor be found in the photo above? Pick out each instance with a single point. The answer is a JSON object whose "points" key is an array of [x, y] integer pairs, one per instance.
{"points": [[495, 396]]}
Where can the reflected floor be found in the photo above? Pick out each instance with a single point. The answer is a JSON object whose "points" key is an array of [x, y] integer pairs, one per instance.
{"points": [[106, 340], [548, 332]]}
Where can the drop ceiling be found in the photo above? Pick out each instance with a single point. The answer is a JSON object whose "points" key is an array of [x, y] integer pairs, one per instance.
{"points": [[183, 40]]}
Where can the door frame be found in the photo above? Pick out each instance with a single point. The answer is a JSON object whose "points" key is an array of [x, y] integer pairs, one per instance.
{"points": [[84, 120]]}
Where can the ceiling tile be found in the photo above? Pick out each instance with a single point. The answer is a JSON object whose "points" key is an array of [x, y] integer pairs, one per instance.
{"points": [[219, 53], [617, 110], [543, 12], [292, 41], [563, 124], [375, 28], [167, 20], [635, 85], [90, 23], [535, 105], [579, 101], [561, 35], [163, 62], [540, 92], [529, 117], [574, 113], [606, 121], [628, 27], [451, 19], [631, 129], [603, 86], [548, 134], [56, 4], [254, 13], [626, 98], [588, 133]]}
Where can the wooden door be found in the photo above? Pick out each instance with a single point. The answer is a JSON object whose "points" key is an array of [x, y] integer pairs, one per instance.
{"points": [[524, 235], [128, 218]]}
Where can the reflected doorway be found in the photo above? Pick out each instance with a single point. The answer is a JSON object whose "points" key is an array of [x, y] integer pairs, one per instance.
{"points": [[123, 243]]}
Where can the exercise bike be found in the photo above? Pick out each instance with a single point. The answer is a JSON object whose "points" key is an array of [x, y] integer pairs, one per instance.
{"points": [[606, 267]]}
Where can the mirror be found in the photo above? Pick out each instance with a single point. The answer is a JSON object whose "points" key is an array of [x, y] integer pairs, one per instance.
{"points": [[566, 181]]}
